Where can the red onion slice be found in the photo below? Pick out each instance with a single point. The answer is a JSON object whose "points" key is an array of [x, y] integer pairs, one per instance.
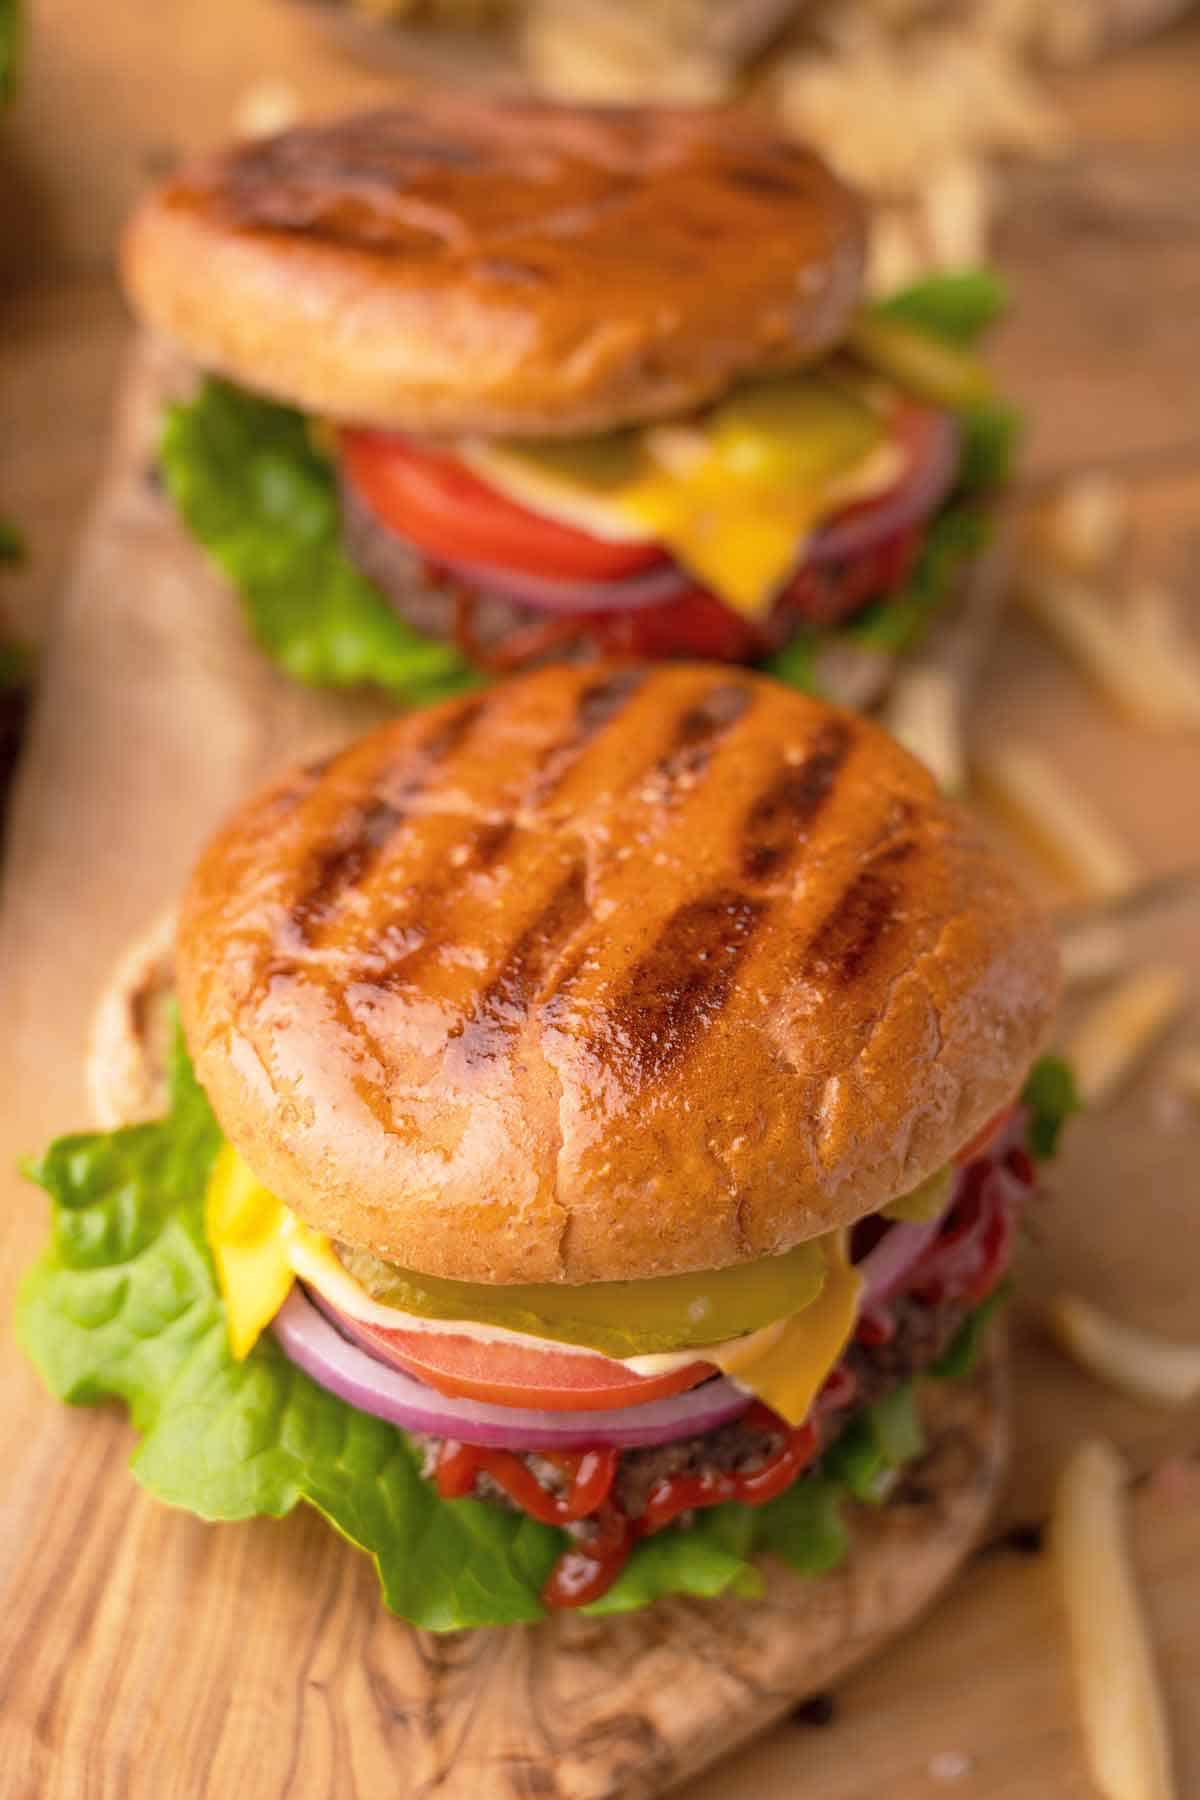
{"points": [[559, 594], [932, 442], [883, 1270], [308, 1340]]}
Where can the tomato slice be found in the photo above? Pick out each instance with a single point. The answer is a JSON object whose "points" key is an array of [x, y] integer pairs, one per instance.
{"points": [[510, 1375], [446, 511]]}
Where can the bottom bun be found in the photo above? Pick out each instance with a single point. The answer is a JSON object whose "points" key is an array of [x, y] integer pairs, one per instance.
{"points": [[630, 1705]]}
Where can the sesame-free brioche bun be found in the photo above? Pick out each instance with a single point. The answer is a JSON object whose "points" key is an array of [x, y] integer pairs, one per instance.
{"points": [[606, 973], [459, 266]]}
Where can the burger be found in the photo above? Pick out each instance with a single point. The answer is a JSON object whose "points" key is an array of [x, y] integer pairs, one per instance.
{"points": [[603, 1114], [493, 385]]}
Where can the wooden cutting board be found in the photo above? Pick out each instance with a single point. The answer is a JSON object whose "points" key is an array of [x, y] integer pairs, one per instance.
{"points": [[144, 1654], [164, 1657]]}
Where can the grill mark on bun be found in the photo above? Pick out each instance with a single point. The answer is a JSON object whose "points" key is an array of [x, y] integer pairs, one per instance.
{"points": [[677, 988], [776, 823], [869, 908], [523, 975], [366, 831], [597, 705], [700, 727], [486, 846]]}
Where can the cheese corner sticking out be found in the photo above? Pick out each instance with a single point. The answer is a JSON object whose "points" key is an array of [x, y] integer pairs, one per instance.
{"points": [[732, 494], [243, 1223], [790, 1374]]}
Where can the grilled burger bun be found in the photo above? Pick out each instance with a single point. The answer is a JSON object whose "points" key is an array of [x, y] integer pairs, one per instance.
{"points": [[451, 266], [605, 974]]}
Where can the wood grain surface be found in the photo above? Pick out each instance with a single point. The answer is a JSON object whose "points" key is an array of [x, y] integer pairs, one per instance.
{"points": [[143, 1653]]}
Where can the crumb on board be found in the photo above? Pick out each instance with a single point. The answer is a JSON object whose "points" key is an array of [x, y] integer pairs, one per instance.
{"points": [[950, 1765]]}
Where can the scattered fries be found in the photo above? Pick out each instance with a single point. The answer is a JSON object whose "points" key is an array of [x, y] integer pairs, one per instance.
{"points": [[1138, 655], [266, 107], [1134, 1362], [924, 714], [1084, 526], [1036, 798], [1120, 1704], [1092, 953], [1122, 1027]]}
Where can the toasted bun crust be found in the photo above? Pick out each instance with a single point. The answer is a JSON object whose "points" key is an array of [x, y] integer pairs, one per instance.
{"points": [[606, 973], [456, 266]]}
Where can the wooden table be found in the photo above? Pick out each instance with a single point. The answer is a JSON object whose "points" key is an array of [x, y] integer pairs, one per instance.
{"points": [[1105, 249]]}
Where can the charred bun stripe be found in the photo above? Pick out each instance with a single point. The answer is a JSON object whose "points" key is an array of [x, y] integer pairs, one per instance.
{"points": [[484, 844], [425, 913], [597, 705], [362, 835], [700, 727], [675, 991], [512, 994], [776, 823], [867, 912]]}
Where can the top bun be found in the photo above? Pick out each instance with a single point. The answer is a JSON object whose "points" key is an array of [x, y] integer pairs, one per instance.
{"points": [[607, 973], [457, 266]]}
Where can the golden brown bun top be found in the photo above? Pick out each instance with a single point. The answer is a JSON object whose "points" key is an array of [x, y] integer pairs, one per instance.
{"points": [[455, 266], [607, 973]]}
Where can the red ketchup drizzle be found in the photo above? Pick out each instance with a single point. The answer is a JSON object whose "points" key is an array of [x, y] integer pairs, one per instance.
{"points": [[589, 1476], [965, 1261]]}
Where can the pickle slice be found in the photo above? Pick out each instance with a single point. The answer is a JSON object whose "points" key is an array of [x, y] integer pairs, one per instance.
{"points": [[617, 1318], [932, 370], [797, 431], [922, 1203]]}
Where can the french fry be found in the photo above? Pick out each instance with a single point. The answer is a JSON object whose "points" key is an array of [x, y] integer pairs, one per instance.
{"points": [[1120, 1705], [924, 714], [1084, 525], [1137, 1363], [1092, 953], [1122, 1027], [1138, 656], [1065, 826]]}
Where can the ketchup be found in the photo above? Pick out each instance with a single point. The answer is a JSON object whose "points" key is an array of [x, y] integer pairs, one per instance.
{"points": [[589, 1476], [676, 1494]]}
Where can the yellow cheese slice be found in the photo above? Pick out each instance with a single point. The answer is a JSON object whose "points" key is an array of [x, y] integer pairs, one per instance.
{"points": [[244, 1226], [733, 494], [790, 1373]]}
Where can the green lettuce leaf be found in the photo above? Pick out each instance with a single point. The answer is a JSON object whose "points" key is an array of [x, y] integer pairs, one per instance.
{"points": [[959, 306], [1051, 1096], [254, 491], [901, 620], [876, 1444], [124, 1304]]}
